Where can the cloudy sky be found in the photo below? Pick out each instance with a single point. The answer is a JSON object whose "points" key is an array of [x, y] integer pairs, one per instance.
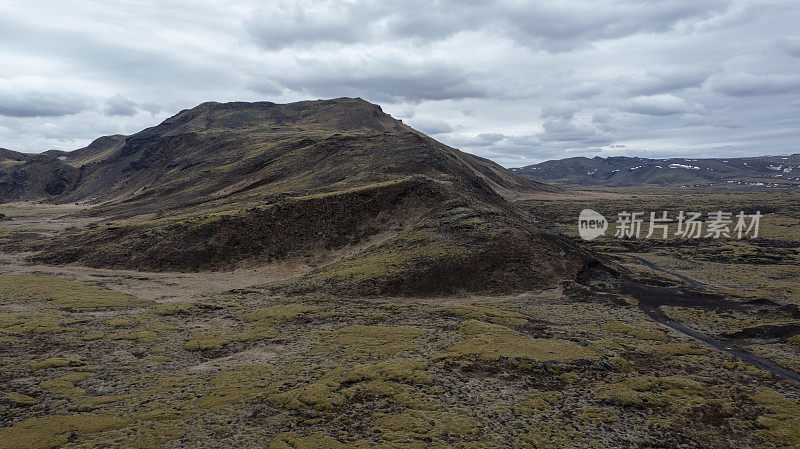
{"points": [[516, 81]]}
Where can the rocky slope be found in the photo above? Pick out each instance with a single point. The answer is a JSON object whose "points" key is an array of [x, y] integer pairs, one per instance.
{"points": [[268, 150], [225, 185]]}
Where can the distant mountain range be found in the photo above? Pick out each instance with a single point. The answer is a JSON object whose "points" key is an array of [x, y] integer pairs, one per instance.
{"points": [[763, 171]]}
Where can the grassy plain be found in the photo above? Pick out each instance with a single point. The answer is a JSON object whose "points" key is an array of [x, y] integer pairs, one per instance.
{"points": [[107, 358]]}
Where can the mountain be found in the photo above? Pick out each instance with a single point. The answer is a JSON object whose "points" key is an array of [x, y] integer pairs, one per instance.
{"points": [[387, 209], [25, 176], [634, 171], [216, 151]]}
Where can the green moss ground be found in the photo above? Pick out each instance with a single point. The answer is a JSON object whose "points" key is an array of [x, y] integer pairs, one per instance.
{"points": [[82, 366], [62, 293], [273, 371]]}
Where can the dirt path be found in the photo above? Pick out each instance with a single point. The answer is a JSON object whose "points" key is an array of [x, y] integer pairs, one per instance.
{"points": [[651, 298], [160, 286], [692, 283]]}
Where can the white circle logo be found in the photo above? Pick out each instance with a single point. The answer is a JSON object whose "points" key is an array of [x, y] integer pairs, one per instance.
{"points": [[591, 224]]}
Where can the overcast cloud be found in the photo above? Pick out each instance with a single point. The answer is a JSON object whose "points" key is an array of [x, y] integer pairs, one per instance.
{"points": [[518, 82]]}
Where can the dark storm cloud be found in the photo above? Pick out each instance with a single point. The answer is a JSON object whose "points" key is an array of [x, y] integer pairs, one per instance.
{"points": [[561, 26], [516, 81], [790, 46], [121, 106], [31, 97], [667, 80], [747, 84], [37, 105], [564, 130], [109, 57], [290, 24], [488, 138], [383, 83], [549, 25]]}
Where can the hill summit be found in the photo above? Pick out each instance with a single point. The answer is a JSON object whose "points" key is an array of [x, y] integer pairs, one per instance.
{"points": [[224, 185]]}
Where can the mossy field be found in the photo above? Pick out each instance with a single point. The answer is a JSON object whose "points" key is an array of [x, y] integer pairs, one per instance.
{"points": [[767, 267], [93, 357], [245, 368]]}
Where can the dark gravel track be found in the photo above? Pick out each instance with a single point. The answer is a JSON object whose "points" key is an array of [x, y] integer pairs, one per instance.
{"points": [[651, 298]]}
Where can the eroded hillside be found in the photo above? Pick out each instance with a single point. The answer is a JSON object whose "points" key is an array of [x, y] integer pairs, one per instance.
{"points": [[222, 186]]}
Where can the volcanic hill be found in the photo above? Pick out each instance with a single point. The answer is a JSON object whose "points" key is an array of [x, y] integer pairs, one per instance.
{"points": [[225, 185]]}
